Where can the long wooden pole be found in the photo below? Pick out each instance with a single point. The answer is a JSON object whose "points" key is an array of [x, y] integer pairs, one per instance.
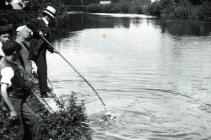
{"points": [[75, 70]]}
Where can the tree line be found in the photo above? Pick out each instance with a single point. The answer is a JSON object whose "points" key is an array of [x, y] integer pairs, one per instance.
{"points": [[185, 9]]}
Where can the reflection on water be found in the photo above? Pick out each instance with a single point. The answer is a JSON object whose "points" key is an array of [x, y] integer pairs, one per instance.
{"points": [[154, 75]]}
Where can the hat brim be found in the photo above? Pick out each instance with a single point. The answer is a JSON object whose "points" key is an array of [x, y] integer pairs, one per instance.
{"points": [[50, 14]]}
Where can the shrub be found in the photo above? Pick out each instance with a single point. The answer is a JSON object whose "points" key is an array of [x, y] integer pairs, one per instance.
{"points": [[170, 9], [35, 7], [93, 8], [139, 10], [69, 123], [13, 17], [124, 8], [154, 9], [204, 11]]}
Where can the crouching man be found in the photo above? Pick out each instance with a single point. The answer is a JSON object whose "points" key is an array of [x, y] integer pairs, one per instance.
{"points": [[24, 122]]}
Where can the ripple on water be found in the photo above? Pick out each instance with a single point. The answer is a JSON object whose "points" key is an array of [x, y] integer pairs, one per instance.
{"points": [[157, 115]]}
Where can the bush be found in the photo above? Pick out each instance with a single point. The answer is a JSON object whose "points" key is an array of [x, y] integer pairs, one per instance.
{"points": [[170, 9], [63, 125], [204, 11], [154, 9], [94, 8], [13, 17], [69, 123], [35, 7], [125, 7], [97, 8], [139, 10]]}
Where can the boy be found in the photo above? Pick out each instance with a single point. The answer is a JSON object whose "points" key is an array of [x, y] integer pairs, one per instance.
{"points": [[24, 120], [5, 32]]}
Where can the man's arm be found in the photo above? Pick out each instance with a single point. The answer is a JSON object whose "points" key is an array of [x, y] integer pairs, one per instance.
{"points": [[13, 114]]}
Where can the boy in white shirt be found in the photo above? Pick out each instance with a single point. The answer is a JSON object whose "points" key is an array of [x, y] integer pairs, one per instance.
{"points": [[14, 93]]}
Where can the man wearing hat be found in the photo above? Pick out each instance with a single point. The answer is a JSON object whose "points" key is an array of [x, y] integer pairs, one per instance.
{"points": [[5, 32], [41, 28], [24, 122]]}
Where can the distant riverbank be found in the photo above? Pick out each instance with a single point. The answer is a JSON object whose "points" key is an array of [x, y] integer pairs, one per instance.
{"points": [[180, 10], [184, 9]]}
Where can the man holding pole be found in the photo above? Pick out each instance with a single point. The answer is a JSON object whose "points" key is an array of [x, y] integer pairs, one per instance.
{"points": [[41, 28]]}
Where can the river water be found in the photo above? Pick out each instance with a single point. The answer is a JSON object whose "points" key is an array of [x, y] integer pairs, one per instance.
{"points": [[154, 75]]}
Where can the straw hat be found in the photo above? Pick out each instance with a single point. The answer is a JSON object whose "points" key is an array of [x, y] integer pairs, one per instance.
{"points": [[51, 11]]}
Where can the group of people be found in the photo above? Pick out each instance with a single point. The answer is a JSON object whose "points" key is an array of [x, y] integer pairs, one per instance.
{"points": [[22, 58]]}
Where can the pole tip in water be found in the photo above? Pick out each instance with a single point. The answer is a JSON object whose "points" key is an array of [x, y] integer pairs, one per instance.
{"points": [[109, 116]]}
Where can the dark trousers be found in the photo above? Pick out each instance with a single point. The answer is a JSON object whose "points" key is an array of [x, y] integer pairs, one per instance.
{"points": [[27, 126], [42, 71]]}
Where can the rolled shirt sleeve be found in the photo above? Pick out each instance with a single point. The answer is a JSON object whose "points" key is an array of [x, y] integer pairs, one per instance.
{"points": [[7, 74], [1, 51]]}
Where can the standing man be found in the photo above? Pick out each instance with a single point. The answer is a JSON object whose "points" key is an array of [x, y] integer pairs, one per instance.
{"points": [[41, 28], [24, 122], [5, 32]]}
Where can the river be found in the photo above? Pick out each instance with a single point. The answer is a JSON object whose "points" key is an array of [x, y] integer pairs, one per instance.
{"points": [[154, 75]]}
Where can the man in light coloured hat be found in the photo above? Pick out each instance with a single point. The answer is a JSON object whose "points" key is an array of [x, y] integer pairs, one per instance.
{"points": [[41, 28]]}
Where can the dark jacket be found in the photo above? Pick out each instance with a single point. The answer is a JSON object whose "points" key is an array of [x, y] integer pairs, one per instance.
{"points": [[24, 55], [37, 43]]}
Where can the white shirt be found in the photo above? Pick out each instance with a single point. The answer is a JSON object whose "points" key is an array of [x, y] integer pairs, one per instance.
{"points": [[1, 51], [46, 21], [7, 74]]}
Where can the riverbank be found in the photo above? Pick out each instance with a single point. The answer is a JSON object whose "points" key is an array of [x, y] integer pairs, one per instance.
{"points": [[185, 9], [179, 10], [65, 124]]}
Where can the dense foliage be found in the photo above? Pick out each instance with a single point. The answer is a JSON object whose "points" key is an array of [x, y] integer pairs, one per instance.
{"points": [[125, 7], [184, 9], [79, 2], [119, 6], [69, 123], [13, 17], [35, 7]]}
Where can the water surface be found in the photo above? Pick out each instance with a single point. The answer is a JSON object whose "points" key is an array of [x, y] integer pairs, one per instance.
{"points": [[155, 75]]}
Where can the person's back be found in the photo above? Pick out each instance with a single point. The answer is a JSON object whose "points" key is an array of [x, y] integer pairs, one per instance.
{"points": [[23, 34]]}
